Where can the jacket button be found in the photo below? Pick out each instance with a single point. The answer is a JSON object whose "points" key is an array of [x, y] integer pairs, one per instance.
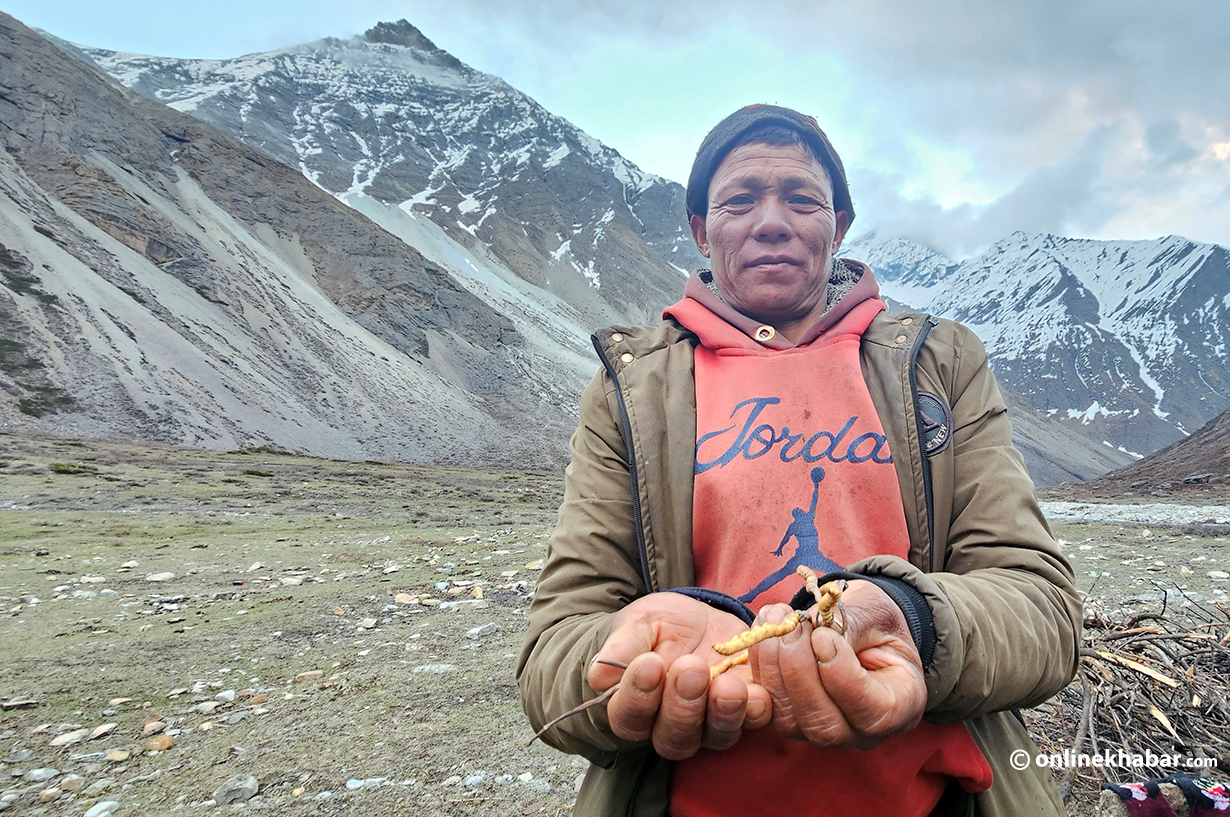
{"points": [[626, 358], [907, 321], [617, 337], [900, 339], [764, 334]]}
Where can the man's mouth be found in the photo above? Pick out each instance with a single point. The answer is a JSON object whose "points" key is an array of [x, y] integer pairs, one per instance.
{"points": [[773, 260]]}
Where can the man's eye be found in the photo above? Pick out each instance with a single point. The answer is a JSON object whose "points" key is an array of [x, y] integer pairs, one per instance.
{"points": [[742, 200], [804, 201]]}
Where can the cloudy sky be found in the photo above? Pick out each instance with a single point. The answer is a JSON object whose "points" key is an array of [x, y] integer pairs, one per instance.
{"points": [[959, 122]]}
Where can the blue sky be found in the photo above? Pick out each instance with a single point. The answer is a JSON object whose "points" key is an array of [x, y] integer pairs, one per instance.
{"points": [[959, 122]]}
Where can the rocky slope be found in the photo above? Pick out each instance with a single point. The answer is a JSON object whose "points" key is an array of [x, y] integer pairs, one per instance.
{"points": [[163, 281], [1196, 465], [1124, 341]]}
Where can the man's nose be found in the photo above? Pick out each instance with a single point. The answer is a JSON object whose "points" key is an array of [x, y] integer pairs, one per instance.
{"points": [[773, 224]]}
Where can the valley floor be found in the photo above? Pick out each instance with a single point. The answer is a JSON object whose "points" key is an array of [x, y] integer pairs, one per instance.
{"points": [[344, 632]]}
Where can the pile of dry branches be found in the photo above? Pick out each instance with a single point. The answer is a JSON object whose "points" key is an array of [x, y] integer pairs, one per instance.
{"points": [[1150, 683]]}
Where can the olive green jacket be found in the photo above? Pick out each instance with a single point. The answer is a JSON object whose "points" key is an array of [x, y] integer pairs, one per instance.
{"points": [[1005, 608]]}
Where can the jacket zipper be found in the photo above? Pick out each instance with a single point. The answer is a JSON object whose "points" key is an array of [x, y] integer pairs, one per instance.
{"points": [[922, 442], [636, 489]]}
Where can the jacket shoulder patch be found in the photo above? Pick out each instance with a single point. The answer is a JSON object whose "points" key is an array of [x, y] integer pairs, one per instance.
{"points": [[936, 419]]}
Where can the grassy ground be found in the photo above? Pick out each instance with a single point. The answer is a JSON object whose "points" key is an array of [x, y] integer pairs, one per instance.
{"points": [[365, 573], [283, 565]]}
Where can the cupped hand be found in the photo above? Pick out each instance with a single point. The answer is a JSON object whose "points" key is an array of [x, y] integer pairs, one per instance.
{"points": [[851, 690], [665, 695]]}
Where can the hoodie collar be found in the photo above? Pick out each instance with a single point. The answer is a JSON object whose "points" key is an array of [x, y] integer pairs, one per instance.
{"points": [[851, 283]]}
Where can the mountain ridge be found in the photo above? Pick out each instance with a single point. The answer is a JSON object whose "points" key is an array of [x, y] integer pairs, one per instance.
{"points": [[1126, 340]]}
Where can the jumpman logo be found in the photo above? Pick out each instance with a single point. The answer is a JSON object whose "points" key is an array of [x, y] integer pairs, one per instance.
{"points": [[803, 530]]}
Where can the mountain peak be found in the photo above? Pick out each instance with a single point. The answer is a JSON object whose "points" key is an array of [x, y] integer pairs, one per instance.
{"points": [[400, 33]]}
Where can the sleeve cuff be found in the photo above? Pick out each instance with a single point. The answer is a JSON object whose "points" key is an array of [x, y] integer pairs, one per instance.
{"points": [[719, 601]]}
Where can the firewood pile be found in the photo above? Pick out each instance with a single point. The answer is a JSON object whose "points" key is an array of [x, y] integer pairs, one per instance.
{"points": [[1154, 685]]}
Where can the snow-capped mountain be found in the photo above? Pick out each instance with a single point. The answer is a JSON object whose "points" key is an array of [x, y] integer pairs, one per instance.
{"points": [[162, 280], [406, 133], [1124, 339]]}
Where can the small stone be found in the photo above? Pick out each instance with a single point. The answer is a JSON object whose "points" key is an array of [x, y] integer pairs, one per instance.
{"points": [[390, 569], [442, 586], [405, 598], [130, 564], [19, 703], [160, 577], [534, 565], [1185, 572], [354, 784], [105, 807], [474, 779], [367, 623], [1219, 574], [483, 631], [206, 726], [226, 696], [237, 718], [503, 779], [259, 698], [310, 675], [477, 592], [451, 781], [207, 708], [98, 787], [239, 789], [20, 756], [40, 775], [72, 782], [102, 731], [435, 669], [117, 755], [108, 593], [291, 582], [297, 792], [160, 743], [255, 567], [69, 738], [152, 728], [526, 777], [47, 795]]}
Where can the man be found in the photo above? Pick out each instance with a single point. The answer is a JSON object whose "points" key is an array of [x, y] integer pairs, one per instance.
{"points": [[777, 417]]}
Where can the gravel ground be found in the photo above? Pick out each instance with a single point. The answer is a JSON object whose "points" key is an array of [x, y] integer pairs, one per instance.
{"points": [[344, 633]]}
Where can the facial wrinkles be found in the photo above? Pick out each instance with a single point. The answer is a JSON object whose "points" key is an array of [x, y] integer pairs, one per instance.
{"points": [[771, 201]]}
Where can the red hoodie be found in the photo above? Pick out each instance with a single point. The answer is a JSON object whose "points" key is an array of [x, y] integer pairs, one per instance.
{"points": [[792, 467]]}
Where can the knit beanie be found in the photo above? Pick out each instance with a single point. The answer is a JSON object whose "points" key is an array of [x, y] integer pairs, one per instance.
{"points": [[728, 134]]}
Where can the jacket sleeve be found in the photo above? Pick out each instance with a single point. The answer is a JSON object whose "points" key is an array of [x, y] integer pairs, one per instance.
{"points": [[592, 571], [1006, 612]]}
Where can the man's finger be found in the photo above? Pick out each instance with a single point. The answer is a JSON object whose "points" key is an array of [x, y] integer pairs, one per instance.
{"points": [[622, 646], [875, 704], [766, 668], [679, 728], [815, 715], [634, 707], [727, 711]]}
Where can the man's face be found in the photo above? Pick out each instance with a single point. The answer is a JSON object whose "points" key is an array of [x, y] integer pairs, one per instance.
{"points": [[771, 233]]}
